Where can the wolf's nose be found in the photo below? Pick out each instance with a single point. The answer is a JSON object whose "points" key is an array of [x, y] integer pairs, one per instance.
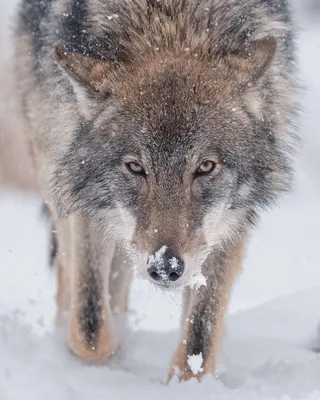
{"points": [[165, 266]]}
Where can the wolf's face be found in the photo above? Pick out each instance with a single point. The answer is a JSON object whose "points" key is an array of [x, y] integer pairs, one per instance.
{"points": [[173, 161]]}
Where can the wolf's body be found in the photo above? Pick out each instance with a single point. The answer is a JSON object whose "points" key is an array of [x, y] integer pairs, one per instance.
{"points": [[154, 125]]}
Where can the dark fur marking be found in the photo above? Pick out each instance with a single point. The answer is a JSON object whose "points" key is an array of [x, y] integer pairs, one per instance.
{"points": [[80, 174], [76, 38], [53, 250], [80, 183], [90, 315], [203, 322], [33, 16], [53, 247], [200, 336], [279, 7]]}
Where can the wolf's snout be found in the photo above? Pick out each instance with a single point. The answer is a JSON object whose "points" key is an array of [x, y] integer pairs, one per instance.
{"points": [[165, 266]]}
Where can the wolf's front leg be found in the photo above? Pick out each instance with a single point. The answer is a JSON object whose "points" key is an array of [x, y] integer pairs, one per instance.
{"points": [[91, 335], [203, 315]]}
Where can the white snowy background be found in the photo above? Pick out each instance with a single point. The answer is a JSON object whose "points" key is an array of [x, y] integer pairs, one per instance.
{"points": [[274, 314]]}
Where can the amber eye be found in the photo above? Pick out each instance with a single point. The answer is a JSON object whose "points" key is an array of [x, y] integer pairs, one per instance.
{"points": [[206, 167], [135, 168]]}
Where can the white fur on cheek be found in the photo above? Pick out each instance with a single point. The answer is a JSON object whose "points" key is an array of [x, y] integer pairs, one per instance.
{"points": [[128, 225], [220, 225], [244, 190], [254, 103], [213, 227], [193, 265], [119, 224]]}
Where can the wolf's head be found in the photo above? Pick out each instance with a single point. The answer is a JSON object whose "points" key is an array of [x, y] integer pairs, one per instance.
{"points": [[174, 154]]}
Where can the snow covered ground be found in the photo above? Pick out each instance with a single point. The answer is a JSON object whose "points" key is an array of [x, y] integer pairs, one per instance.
{"points": [[273, 317]]}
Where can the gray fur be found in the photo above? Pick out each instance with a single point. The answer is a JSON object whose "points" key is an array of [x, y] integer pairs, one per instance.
{"points": [[167, 84]]}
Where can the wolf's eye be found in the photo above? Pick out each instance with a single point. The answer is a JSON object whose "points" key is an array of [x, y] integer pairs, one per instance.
{"points": [[135, 168], [206, 167]]}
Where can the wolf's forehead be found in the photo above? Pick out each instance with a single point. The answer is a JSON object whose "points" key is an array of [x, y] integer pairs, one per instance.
{"points": [[175, 87], [172, 142]]}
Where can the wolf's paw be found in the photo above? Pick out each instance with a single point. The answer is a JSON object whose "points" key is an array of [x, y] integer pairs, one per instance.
{"points": [[184, 375], [185, 367], [96, 346]]}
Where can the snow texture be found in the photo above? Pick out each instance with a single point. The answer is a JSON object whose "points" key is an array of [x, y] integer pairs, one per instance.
{"points": [[156, 261], [274, 312], [197, 280], [157, 257], [195, 363]]}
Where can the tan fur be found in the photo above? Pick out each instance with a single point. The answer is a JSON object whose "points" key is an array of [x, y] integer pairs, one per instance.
{"points": [[128, 81], [17, 158], [104, 348], [120, 280], [101, 258], [68, 301], [234, 267], [179, 364], [63, 261]]}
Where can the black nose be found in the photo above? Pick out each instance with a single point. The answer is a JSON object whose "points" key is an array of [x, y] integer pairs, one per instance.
{"points": [[165, 266]]}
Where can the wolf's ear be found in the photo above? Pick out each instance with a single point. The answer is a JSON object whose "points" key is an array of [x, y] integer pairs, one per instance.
{"points": [[85, 73], [251, 63]]}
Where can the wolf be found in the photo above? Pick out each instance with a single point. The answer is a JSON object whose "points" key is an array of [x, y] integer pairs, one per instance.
{"points": [[159, 130]]}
